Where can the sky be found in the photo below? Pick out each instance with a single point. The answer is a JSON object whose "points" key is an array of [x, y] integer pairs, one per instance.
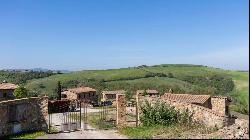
{"points": [[103, 34]]}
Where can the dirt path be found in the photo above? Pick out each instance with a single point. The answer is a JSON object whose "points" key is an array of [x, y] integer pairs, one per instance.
{"points": [[85, 134]]}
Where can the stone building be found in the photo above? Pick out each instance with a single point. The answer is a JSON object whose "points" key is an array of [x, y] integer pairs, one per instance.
{"points": [[201, 100], [149, 92], [111, 95], [218, 104], [86, 94], [202, 109], [6, 91]]}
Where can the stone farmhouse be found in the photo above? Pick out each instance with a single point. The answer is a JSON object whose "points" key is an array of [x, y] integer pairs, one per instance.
{"points": [[218, 104], [149, 92], [86, 94], [6, 91], [111, 95], [212, 111]]}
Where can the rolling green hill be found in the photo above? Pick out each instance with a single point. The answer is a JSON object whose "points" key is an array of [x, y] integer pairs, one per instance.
{"points": [[182, 78], [20, 77]]}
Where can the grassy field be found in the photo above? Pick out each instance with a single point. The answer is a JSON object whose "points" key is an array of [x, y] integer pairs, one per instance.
{"points": [[241, 92], [192, 79], [164, 132]]}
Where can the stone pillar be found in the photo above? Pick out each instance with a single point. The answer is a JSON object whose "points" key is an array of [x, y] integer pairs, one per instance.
{"points": [[121, 110], [137, 110], [43, 116], [139, 101]]}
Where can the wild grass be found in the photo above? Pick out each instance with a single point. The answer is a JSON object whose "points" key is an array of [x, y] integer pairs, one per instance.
{"points": [[166, 132]]}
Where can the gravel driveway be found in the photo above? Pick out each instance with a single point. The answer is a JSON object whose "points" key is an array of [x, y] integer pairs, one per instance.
{"points": [[85, 134], [90, 133]]}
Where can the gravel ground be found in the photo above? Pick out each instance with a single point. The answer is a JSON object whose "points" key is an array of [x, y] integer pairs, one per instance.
{"points": [[90, 133], [85, 134]]}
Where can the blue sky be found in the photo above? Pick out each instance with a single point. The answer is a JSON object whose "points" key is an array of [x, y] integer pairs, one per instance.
{"points": [[101, 34]]}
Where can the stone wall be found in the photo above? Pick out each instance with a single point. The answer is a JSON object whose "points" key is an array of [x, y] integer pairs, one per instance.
{"points": [[88, 97], [70, 95], [198, 114], [219, 105], [26, 114]]}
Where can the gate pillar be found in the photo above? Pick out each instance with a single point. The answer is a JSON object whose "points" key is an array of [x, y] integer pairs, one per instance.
{"points": [[121, 110]]}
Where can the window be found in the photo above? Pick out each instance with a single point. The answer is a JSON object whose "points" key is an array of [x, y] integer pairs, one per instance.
{"points": [[227, 110], [64, 96], [4, 95]]}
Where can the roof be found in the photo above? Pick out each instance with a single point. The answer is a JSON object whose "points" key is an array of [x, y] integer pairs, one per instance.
{"points": [[148, 91], [81, 90], [114, 92], [8, 86], [188, 98], [223, 97]]}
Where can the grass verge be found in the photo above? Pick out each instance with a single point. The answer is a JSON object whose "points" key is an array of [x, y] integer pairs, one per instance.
{"points": [[165, 132], [25, 135]]}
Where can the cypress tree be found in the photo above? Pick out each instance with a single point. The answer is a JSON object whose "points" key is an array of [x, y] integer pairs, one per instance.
{"points": [[59, 90]]}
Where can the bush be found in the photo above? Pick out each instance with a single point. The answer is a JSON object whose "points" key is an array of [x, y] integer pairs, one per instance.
{"points": [[161, 113], [170, 75], [20, 92]]}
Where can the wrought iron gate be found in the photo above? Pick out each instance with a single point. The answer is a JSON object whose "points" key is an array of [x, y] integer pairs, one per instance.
{"points": [[64, 115], [67, 116], [107, 116]]}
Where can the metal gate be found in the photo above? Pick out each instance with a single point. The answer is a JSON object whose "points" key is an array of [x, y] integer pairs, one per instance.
{"points": [[107, 116], [67, 116], [64, 115]]}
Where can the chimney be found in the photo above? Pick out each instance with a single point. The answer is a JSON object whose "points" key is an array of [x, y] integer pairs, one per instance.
{"points": [[170, 90]]}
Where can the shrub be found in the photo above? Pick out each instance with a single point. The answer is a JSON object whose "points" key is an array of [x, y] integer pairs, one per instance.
{"points": [[161, 113], [20, 92], [170, 75]]}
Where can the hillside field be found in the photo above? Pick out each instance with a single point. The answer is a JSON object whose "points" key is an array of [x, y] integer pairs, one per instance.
{"points": [[181, 78]]}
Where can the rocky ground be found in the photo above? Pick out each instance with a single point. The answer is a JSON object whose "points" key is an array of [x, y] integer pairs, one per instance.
{"points": [[239, 130]]}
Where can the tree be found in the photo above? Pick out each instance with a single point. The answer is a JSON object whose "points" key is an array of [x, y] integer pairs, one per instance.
{"points": [[170, 75], [144, 93], [20, 92], [59, 90]]}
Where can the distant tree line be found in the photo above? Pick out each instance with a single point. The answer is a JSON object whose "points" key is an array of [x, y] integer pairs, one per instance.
{"points": [[22, 77]]}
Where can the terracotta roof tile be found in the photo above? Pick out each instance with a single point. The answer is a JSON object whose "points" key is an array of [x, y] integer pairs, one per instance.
{"points": [[81, 90], [8, 86], [188, 98], [223, 97], [114, 92], [148, 91]]}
